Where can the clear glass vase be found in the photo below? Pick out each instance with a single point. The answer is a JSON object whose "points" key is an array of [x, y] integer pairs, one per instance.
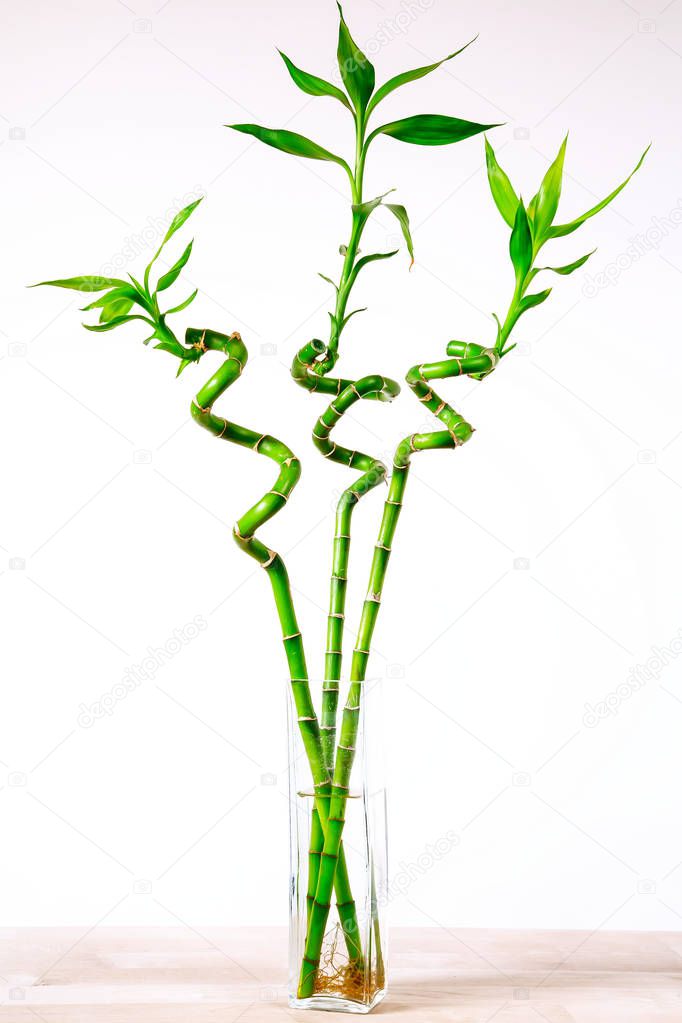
{"points": [[343, 984]]}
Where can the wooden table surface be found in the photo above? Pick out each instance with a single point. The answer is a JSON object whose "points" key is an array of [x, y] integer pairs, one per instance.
{"points": [[176, 975]]}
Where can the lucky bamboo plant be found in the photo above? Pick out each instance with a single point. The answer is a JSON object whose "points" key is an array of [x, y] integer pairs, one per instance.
{"points": [[329, 739]]}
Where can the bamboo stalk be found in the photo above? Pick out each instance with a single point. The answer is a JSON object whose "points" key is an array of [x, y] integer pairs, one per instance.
{"points": [[264, 509], [304, 370], [373, 473], [467, 359]]}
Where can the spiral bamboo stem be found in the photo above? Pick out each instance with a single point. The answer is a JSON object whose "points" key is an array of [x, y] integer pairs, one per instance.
{"points": [[244, 534], [305, 371], [466, 360], [374, 472]]}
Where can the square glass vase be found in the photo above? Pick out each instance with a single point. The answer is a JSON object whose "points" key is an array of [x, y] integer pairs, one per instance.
{"points": [[351, 975]]}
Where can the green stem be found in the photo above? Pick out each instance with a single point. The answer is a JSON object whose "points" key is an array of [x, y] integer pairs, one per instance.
{"points": [[358, 222], [244, 533], [373, 473], [468, 360]]}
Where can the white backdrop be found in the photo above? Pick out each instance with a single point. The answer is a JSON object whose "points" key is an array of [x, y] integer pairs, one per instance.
{"points": [[536, 578]]}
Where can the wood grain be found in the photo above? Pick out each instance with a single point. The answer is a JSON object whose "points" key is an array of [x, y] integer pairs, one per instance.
{"points": [[178, 975]]}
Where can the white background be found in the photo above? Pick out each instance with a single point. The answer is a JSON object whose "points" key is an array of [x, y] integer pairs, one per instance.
{"points": [[120, 508]]}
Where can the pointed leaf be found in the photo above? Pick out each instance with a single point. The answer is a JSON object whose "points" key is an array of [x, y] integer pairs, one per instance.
{"points": [[357, 72], [176, 223], [431, 129], [365, 208], [180, 218], [529, 301], [560, 230], [311, 84], [347, 318], [173, 346], [499, 329], [116, 322], [501, 187], [183, 366], [548, 195], [329, 281], [136, 284], [82, 283], [412, 76], [125, 291], [171, 277], [521, 244], [569, 268], [401, 214], [119, 307], [532, 208], [288, 142], [371, 259], [183, 305]]}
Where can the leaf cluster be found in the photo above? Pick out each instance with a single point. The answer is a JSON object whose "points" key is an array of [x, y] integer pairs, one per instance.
{"points": [[119, 296], [534, 225]]}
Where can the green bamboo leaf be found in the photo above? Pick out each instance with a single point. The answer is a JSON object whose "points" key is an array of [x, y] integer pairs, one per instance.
{"points": [[116, 322], [560, 230], [431, 130], [521, 244], [180, 218], [328, 280], [82, 283], [183, 305], [171, 277], [125, 291], [411, 76], [569, 268], [546, 203], [401, 214], [173, 346], [183, 366], [356, 70], [119, 307], [532, 208], [501, 187], [347, 318], [311, 84], [138, 287], [371, 258], [498, 329], [529, 301], [288, 142], [365, 208], [176, 223]]}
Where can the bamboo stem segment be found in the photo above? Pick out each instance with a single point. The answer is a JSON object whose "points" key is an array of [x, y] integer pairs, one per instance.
{"points": [[467, 360], [244, 534], [347, 393]]}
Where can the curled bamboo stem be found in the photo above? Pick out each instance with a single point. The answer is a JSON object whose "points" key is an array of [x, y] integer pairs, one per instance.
{"points": [[244, 534], [373, 472], [310, 369], [466, 360]]}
